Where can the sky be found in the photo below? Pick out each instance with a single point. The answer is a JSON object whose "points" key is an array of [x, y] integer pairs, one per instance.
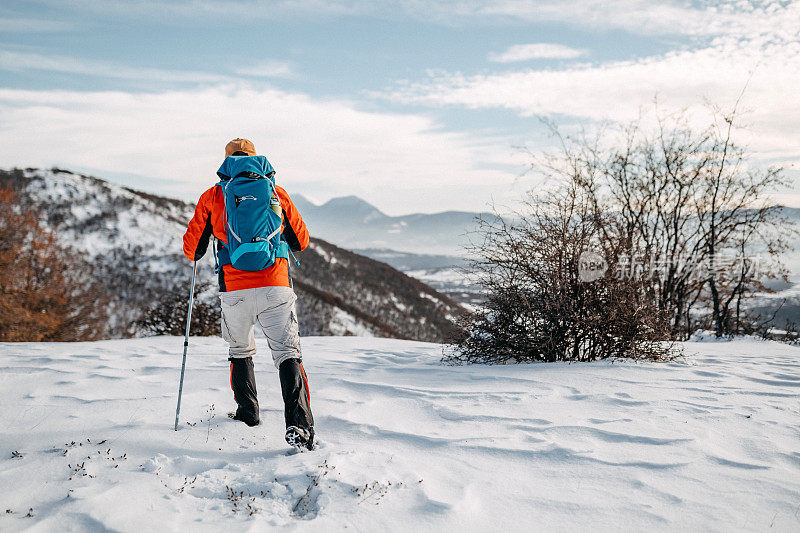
{"points": [[413, 106]]}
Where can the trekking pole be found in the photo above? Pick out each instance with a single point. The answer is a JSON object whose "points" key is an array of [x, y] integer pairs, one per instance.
{"points": [[186, 344]]}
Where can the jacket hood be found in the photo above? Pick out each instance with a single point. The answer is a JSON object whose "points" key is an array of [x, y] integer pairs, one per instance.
{"points": [[237, 164]]}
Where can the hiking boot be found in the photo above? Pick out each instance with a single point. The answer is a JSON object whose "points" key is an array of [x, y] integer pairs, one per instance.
{"points": [[300, 438], [296, 398], [243, 417], [243, 383]]}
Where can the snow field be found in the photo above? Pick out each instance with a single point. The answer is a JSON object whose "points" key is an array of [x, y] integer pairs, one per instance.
{"points": [[709, 442]]}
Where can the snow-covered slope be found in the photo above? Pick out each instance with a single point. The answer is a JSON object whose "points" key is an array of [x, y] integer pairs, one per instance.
{"points": [[134, 241], [708, 443]]}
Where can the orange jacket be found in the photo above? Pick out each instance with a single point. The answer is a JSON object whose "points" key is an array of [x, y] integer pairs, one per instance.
{"points": [[207, 220]]}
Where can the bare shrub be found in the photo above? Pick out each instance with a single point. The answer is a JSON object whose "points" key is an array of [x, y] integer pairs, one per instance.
{"points": [[680, 220], [695, 212], [539, 308], [167, 315]]}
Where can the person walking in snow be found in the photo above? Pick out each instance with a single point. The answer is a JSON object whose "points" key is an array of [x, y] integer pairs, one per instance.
{"points": [[233, 212]]}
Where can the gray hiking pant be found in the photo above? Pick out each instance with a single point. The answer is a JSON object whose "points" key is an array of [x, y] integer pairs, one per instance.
{"points": [[273, 308]]}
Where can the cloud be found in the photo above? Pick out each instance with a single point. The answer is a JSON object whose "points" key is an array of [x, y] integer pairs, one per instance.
{"points": [[16, 60], [525, 52], [267, 69], [22, 60], [28, 25], [402, 163], [405, 162], [644, 17], [765, 56]]}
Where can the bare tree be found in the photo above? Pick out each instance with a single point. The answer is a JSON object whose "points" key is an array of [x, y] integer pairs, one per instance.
{"points": [[734, 214], [47, 290]]}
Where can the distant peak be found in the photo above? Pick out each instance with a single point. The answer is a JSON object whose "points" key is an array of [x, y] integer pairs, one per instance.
{"points": [[353, 203], [301, 198], [347, 200]]}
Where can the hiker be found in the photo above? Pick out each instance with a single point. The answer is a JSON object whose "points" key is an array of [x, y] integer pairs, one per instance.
{"points": [[259, 288]]}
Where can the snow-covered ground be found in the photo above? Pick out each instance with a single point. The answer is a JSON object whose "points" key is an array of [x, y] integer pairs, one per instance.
{"points": [[710, 442]]}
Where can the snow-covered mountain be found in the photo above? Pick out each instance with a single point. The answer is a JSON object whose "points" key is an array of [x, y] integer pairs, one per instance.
{"points": [[355, 224], [133, 239]]}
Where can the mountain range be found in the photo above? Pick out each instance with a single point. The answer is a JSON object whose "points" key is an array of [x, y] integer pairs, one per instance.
{"points": [[353, 223], [432, 248], [365, 272]]}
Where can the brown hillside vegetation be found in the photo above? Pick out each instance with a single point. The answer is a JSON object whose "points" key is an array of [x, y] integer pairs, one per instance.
{"points": [[45, 294]]}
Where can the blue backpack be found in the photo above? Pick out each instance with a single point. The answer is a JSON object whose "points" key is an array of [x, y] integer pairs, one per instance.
{"points": [[253, 227]]}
